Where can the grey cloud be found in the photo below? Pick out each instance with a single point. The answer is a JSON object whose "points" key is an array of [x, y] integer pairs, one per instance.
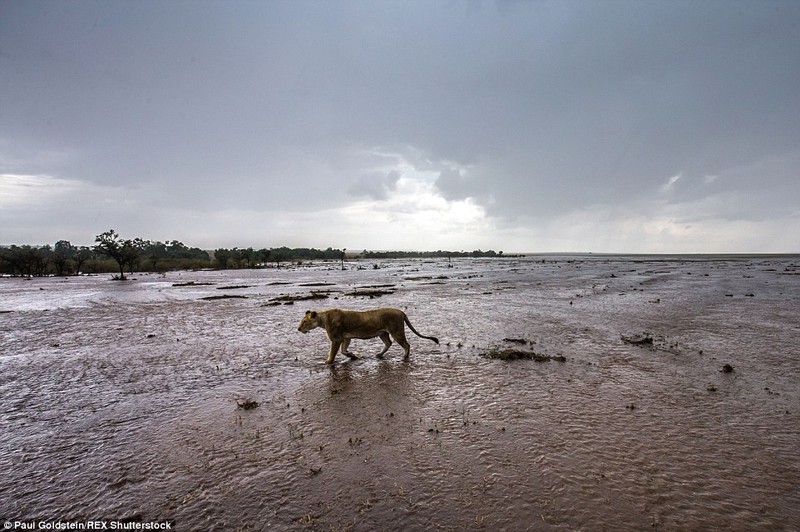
{"points": [[457, 184], [525, 107], [375, 185]]}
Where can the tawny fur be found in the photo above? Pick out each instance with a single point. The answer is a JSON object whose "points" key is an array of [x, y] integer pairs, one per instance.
{"points": [[344, 325]]}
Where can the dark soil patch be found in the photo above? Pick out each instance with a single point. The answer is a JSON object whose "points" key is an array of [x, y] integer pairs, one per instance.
{"points": [[247, 404], [638, 339], [300, 297], [317, 284], [369, 293], [191, 283], [226, 296], [234, 287], [519, 354]]}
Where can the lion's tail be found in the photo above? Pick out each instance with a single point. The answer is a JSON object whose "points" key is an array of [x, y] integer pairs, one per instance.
{"points": [[433, 338]]}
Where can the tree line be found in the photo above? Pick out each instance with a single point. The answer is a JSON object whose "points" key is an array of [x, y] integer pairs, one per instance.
{"points": [[112, 253], [428, 254]]}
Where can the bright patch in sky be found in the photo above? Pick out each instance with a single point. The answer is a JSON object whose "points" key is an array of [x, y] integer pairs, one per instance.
{"points": [[30, 190]]}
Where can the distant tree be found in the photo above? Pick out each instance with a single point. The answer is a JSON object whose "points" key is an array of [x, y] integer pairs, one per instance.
{"points": [[133, 250], [10, 259], [5, 260], [249, 257], [280, 254], [263, 256], [111, 245], [82, 254], [153, 252], [63, 253], [236, 258], [221, 258], [26, 260], [198, 254]]}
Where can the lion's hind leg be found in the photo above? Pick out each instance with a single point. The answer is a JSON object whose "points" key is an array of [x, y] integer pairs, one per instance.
{"points": [[346, 351], [400, 338], [387, 343]]}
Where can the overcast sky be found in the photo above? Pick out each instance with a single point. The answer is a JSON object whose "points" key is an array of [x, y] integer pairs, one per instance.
{"points": [[603, 126]]}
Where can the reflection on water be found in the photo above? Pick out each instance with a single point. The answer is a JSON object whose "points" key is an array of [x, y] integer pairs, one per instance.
{"points": [[119, 400]]}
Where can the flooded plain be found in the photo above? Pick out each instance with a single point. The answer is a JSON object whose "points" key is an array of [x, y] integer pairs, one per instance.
{"points": [[191, 396]]}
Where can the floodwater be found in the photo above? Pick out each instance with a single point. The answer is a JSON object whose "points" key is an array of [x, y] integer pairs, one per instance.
{"points": [[120, 400]]}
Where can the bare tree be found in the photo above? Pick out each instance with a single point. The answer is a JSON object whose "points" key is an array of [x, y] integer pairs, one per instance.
{"points": [[111, 245]]}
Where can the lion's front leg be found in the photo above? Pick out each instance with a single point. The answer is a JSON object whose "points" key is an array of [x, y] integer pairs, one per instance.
{"points": [[332, 353]]}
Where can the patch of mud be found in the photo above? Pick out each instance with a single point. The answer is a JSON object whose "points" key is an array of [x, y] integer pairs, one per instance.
{"points": [[638, 339], [300, 297], [123, 399], [519, 354], [369, 293], [248, 404]]}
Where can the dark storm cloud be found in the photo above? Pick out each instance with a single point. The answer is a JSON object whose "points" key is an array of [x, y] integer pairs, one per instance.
{"points": [[529, 109]]}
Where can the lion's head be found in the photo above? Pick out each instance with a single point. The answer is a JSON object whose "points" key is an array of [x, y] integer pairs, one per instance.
{"points": [[309, 321]]}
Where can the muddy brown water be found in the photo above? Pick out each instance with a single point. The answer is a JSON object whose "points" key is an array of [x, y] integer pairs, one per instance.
{"points": [[119, 399]]}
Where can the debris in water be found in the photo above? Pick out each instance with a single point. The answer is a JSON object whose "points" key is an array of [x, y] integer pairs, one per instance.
{"points": [[638, 339], [247, 404], [303, 297], [369, 293], [518, 354], [226, 296]]}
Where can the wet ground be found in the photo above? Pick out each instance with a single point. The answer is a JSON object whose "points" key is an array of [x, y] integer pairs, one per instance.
{"points": [[122, 399]]}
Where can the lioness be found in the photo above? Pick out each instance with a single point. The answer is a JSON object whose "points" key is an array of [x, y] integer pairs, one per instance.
{"points": [[343, 325]]}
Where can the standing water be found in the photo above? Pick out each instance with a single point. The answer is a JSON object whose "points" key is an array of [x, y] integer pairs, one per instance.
{"points": [[667, 397]]}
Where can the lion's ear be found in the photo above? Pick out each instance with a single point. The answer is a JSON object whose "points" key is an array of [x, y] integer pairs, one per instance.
{"points": [[314, 315]]}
